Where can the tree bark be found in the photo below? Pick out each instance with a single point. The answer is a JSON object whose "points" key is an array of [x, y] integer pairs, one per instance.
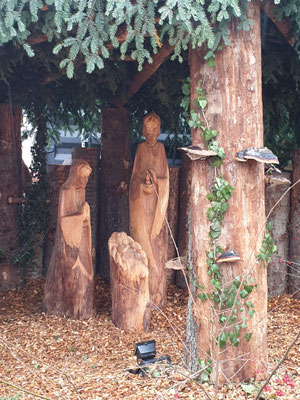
{"points": [[115, 171], [294, 270], [10, 186], [183, 215], [129, 278], [172, 214], [278, 268], [233, 91]]}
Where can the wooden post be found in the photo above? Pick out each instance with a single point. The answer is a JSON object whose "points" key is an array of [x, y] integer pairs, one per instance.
{"points": [[294, 270], [172, 213], [113, 215], [234, 96], [129, 278], [10, 186], [183, 215], [280, 216]]}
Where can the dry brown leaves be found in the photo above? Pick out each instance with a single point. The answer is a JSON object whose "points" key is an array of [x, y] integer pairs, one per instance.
{"points": [[59, 358]]}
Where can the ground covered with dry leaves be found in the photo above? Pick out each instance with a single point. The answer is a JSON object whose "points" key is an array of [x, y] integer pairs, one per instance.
{"points": [[58, 358]]}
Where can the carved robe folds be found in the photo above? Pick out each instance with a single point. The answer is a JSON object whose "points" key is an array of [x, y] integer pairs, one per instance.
{"points": [[69, 288], [148, 201]]}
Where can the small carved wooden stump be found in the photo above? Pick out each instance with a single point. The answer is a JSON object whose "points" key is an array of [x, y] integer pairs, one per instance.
{"points": [[129, 278]]}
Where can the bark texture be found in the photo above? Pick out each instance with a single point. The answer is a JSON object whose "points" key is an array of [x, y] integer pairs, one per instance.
{"points": [[10, 185], [129, 278], [183, 214], [294, 270], [172, 213], [280, 216], [115, 171], [233, 92]]}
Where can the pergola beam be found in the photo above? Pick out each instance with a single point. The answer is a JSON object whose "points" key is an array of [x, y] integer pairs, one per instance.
{"points": [[142, 76], [284, 26]]}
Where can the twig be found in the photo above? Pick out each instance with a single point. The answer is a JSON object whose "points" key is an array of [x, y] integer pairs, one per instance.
{"points": [[24, 390], [8, 344], [278, 365]]}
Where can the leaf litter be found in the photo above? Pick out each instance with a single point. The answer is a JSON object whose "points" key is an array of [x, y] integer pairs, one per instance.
{"points": [[59, 358]]}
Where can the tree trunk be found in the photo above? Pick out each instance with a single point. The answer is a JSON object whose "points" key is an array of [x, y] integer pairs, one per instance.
{"points": [[183, 215], [233, 92], [172, 213], [294, 270], [129, 278], [10, 185], [280, 216], [115, 171]]}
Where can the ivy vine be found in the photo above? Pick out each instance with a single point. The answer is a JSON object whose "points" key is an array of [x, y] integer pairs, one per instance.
{"points": [[230, 302]]}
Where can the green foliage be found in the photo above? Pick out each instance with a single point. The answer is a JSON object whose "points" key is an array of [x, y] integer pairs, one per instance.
{"points": [[281, 97], [81, 29], [34, 215], [268, 247], [206, 368]]}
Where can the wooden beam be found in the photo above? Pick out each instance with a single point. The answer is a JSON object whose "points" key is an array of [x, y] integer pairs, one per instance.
{"points": [[141, 77], [284, 26]]}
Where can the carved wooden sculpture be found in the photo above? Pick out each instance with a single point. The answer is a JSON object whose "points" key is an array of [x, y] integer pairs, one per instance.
{"points": [[148, 201], [69, 285], [129, 283]]}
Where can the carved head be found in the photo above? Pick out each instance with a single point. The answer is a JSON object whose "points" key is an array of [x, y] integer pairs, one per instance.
{"points": [[151, 127], [79, 174]]}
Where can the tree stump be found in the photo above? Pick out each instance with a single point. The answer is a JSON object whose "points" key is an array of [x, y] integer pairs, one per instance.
{"points": [[129, 278], [69, 288]]}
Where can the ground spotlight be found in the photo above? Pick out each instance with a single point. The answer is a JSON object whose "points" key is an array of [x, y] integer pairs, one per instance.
{"points": [[145, 353]]}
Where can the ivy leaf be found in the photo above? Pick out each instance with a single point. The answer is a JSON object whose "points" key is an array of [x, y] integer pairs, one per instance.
{"points": [[249, 288], [248, 336], [248, 388], [216, 283], [243, 293], [202, 103], [223, 319], [251, 312], [223, 339]]}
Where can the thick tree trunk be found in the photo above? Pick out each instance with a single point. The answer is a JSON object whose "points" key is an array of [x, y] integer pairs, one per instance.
{"points": [[280, 216], [294, 270], [115, 171], [233, 92], [10, 186], [129, 278]]}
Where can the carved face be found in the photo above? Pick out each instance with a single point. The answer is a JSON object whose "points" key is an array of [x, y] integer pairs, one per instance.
{"points": [[83, 175], [151, 128]]}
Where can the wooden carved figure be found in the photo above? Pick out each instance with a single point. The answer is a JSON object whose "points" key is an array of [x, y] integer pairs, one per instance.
{"points": [[69, 288], [129, 283], [148, 201]]}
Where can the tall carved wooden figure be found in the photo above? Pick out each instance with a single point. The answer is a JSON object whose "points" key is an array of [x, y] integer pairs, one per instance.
{"points": [[69, 288], [148, 201]]}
